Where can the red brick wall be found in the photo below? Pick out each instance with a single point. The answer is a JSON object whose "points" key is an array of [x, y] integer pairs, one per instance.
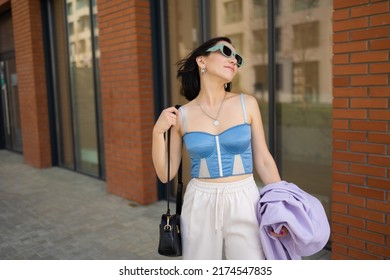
{"points": [[127, 97], [361, 130], [30, 67]]}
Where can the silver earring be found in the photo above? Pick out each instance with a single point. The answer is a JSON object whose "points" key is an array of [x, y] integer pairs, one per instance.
{"points": [[203, 70], [226, 85]]}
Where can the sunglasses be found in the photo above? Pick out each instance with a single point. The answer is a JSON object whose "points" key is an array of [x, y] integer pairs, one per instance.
{"points": [[226, 51]]}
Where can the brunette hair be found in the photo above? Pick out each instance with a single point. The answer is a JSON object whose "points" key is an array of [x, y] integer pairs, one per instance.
{"points": [[188, 72]]}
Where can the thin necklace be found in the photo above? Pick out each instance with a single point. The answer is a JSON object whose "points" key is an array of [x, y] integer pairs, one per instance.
{"points": [[215, 120]]}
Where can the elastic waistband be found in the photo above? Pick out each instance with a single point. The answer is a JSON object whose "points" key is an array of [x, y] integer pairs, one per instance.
{"points": [[226, 187]]}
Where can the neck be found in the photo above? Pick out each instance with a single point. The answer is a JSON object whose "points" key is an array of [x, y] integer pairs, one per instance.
{"points": [[211, 95]]}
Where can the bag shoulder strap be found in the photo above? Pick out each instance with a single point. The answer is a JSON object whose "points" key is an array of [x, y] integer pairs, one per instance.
{"points": [[179, 192]]}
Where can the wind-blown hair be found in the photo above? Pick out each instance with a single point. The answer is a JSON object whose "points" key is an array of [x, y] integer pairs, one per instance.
{"points": [[188, 73]]}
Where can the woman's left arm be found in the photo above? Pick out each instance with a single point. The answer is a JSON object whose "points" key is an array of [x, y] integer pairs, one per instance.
{"points": [[264, 163]]}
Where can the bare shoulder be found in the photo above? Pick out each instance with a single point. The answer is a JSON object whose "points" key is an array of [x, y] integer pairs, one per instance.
{"points": [[189, 106], [250, 100], [180, 117]]}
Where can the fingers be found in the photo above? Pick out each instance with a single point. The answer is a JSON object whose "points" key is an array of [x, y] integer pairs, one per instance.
{"points": [[282, 233], [168, 118], [171, 114]]}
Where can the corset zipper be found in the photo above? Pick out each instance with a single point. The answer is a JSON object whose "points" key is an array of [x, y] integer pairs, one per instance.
{"points": [[219, 156]]}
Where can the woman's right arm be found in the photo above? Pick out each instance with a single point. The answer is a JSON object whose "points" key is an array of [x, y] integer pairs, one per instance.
{"points": [[167, 118]]}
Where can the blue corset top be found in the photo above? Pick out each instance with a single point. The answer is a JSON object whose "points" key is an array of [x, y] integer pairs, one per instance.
{"points": [[223, 155], [226, 154]]}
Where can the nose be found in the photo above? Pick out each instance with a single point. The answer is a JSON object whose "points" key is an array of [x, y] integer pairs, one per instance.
{"points": [[233, 59]]}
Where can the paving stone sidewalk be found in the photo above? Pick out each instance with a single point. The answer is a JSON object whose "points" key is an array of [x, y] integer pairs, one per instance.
{"points": [[55, 213]]}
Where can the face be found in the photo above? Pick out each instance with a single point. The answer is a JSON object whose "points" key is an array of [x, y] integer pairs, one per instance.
{"points": [[227, 50], [222, 61]]}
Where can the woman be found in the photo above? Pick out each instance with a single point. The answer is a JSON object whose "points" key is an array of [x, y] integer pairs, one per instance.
{"points": [[224, 136]]}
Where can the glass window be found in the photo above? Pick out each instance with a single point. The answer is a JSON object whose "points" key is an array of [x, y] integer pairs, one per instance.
{"points": [[306, 81], [75, 85], [70, 29], [10, 130], [81, 4], [69, 7], [299, 5], [260, 45], [304, 98], [301, 38], [233, 11], [259, 8], [83, 91], [62, 91]]}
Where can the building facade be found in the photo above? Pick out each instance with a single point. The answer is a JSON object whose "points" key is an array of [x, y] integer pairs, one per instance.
{"points": [[84, 80]]}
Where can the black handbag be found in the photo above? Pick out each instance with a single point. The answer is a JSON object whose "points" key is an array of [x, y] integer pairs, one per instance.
{"points": [[170, 232]]}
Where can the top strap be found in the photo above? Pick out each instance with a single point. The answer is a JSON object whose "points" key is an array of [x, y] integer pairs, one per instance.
{"points": [[243, 107], [184, 119]]}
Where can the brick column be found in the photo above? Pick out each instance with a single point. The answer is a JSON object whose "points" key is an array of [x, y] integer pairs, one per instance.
{"points": [[127, 97], [361, 130], [30, 67]]}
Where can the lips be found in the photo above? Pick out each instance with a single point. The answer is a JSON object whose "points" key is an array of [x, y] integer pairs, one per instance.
{"points": [[229, 67]]}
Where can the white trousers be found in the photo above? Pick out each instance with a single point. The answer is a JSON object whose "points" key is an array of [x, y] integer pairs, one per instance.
{"points": [[217, 216]]}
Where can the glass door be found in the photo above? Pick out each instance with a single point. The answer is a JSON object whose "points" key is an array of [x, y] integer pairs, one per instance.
{"points": [[10, 105]]}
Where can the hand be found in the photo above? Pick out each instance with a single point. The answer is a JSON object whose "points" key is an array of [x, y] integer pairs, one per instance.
{"points": [[282, 233], [167, 118]]}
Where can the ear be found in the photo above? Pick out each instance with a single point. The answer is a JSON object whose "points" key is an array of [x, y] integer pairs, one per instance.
{"points": [[200, 61]]}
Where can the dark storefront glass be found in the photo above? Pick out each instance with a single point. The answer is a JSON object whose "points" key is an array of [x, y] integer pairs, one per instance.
{"points": [[10, 127]]}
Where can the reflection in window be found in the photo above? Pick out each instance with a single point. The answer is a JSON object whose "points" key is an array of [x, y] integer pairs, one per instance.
{"points": [[82, 47], [70, 29], [260, 45], [299, 5], [69, 7], [261, 80], [306, 81], [83, 23], [237, 41], [82, 4], [233, 11], [260, 7], [306, 35]]}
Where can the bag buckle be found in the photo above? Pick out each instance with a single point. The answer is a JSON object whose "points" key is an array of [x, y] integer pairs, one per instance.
{"points": [[168, 226]]}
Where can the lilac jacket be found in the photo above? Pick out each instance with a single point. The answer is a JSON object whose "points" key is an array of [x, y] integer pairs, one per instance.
{"points": [[285, 204]]}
